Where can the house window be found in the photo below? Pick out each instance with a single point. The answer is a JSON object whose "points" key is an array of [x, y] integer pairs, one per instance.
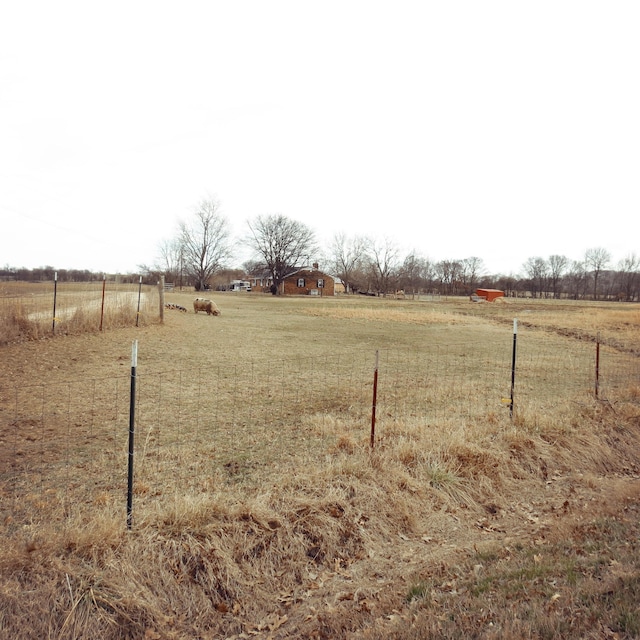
{"points": [[320, 283], [300, 282]]}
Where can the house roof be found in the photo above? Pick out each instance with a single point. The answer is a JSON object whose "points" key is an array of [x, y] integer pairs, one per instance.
{"points": [[308, 270]]}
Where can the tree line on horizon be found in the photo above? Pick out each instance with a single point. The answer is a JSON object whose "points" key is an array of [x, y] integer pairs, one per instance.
{"points": [[202, 250]]}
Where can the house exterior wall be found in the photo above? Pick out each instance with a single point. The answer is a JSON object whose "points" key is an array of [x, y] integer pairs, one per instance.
{"points": [[260, 285], [306, 282]]}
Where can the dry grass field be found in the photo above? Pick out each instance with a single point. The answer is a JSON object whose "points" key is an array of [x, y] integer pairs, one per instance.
{"points": [[26, 308], [262, 511]]}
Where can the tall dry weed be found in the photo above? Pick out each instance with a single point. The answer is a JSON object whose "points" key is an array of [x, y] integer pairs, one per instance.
{"points": [[16, 326], [241, 561], [30, 317]]}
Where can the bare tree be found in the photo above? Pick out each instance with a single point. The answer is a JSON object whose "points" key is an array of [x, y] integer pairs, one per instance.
{"points": [[253, 267], [415, 274], [629, 276], [346, 256], [507, 284], [411, 273], [557, 267], [598, 259], [171, 261], [283, 245], [205, 243], [449, 272], [538, 271], [577, 278], [471, 271], [383, 259]]}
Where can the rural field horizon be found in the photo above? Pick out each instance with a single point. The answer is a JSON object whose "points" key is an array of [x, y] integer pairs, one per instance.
{"points": [[261, 508]]}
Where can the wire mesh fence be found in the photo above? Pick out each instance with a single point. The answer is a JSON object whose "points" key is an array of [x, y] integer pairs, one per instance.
{"points": [[37, 309], [65, 445]]}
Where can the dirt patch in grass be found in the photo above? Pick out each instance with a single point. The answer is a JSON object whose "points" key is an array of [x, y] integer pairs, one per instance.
{"points": [[614, 324]]}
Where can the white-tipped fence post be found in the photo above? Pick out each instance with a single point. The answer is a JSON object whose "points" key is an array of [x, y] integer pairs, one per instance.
{"points": [[139, 294], [132, 415], [513, 365], [597, 382], [104, 285], [55, 296], [374, 403]]}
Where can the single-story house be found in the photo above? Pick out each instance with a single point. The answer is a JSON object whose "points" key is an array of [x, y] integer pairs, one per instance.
{"points": [[308, 281]]}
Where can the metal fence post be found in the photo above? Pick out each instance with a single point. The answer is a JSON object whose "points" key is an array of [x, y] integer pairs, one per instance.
{"points": [[139, 294], [513, 365], [597, 382], [55, 296], [375, 399], [132, 413], [104, 284]]}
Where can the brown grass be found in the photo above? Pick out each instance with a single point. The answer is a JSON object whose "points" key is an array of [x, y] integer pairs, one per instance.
{"points": [[26, 309], [460, 523], [617, 324]]}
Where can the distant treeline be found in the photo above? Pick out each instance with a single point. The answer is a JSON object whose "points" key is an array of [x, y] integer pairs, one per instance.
{"points": [[47, 274], [442, 278]]}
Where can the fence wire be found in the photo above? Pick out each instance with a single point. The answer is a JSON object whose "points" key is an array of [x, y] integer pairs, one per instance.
{"points": [[64, 445], [37, 309]]}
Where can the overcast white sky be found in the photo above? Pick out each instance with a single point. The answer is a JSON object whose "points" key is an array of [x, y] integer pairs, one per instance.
{"points": [[498, 129]]}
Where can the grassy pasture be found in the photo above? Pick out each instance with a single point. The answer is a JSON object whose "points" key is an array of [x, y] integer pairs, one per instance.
{"points": [[260, 509]]}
